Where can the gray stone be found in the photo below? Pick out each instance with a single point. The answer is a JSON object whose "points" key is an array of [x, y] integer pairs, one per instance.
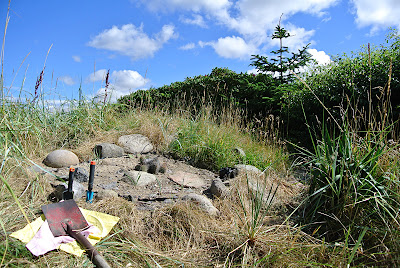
{"points": [[135, 143], [203, 202], [81, 175], [187, 179], [78, 189], [105, 194], [139, 178], [61, 158], [218, 188], [108, 150], [248, 169]]}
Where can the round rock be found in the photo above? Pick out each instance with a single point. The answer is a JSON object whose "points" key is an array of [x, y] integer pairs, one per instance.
{"points": [[61, 158], [135, 143]]}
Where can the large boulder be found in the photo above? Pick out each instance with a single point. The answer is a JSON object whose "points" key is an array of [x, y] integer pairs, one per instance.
{"points": [[135, 143], [61, 158]]}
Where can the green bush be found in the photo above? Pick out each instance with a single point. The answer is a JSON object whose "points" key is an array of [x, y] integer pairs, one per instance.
{"points": [[221, 88]]}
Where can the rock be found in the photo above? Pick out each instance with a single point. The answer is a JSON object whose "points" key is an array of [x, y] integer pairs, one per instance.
{"points": [[81, 175], [204, 203], [151, 165], [248, 169], [109, 186], [135, 143], [139, 178], [228, 173], [218, 189], [104, 194], [108, 150], [239, 152], [61, 158], [78, 189], [187, 179]]}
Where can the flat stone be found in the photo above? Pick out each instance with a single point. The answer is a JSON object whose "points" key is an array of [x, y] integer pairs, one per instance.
{"points": [[187, 179], [105, 194], [248, 169], [108, 150], [139, 178], [135, 143], [61, 158], [203, 202]]}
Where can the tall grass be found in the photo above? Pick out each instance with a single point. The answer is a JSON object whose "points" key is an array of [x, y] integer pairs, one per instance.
{"points": [[354, 193]]}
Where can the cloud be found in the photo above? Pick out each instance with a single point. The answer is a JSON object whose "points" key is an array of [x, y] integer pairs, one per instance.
{"points": [[76, 58], [122, 82], [231, 47], [66, 79], [98, 75], [195, 6], [299, 37], [253, 20], [378, 14], [131, 41], [196, 20], [188, 46], [320, 56]]}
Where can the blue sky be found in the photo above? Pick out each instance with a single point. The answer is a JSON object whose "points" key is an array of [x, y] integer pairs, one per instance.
{"points": [[150, 43]]}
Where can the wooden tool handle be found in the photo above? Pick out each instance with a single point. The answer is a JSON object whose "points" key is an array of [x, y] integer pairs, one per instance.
{"points": [[94, 255]]}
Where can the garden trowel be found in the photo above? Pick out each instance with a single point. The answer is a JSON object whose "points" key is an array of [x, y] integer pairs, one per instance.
{"points": [[69, 194], [65, 218]]}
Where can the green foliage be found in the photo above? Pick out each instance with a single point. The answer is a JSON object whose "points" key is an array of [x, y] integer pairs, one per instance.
{"points": [[365, 80], [208, 145], [221, 88], [353, 188], [284, 65]]}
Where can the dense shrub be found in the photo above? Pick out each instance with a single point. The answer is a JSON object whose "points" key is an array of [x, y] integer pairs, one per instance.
{"points": [[221, 88]]}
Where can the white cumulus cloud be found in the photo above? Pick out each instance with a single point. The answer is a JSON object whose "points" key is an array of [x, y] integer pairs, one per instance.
{"points": [[231, 47], [320, 56], [132, 41], [98, 75], [252, 20], [196, 20], [66, 79], [377, 14], [122, 82]]}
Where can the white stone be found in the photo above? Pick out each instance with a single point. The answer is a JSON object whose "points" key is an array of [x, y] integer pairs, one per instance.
{"points": [[139, 178], [135, 143], [203, 202]]}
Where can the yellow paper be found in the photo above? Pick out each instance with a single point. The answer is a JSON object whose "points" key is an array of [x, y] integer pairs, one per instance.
{"points": [[102, 221]]}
